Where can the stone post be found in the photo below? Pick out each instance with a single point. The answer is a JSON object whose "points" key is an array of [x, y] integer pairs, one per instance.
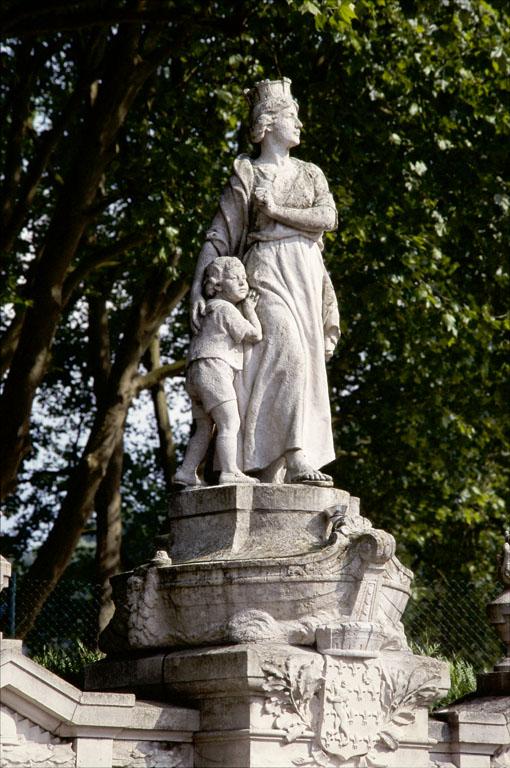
{"points": [[498, 611], [5, 576]]}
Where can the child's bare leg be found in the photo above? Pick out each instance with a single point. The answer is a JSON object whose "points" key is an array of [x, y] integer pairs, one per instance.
{"points": [[226, 418], [195, 452]]}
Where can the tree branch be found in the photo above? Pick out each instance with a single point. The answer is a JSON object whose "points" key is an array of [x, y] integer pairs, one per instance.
{"points": [[166, 451], [63, 18], [9, 341], [157, 375], [47, 143], [102, 257], [118, 90], [99, 354], [157, 298], [107, 501], [27, 63]]}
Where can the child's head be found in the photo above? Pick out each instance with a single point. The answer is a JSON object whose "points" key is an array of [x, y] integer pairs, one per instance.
{"points": [[225, 278]]}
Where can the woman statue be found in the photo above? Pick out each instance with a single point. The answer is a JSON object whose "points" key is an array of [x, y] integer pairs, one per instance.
{"points": [[272, 215]]}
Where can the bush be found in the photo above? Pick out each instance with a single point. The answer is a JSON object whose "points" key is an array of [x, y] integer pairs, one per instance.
{"points": [[462, 672]]}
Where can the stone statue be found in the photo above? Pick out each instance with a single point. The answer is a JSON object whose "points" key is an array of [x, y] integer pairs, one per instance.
{"points": [[272, 215], [215, 356], [505, 561]]}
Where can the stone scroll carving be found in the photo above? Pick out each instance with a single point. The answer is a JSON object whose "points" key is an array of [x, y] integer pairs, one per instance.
{"points": [[357, 709]]}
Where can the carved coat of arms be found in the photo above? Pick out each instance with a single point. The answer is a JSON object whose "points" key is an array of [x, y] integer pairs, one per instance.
{"points": [[355, 710], [351, 715]]}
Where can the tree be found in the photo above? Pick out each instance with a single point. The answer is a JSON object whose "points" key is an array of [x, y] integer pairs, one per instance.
{"points": [[100, 180], [406, 109], [423, 421]]}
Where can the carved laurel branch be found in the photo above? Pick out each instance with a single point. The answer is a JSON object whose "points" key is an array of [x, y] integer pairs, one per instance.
{"points": [[293, 689], [401, 694], [35, 754], [294, 692]]}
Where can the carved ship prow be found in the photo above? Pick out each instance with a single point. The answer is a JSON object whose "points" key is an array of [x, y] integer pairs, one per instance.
{"points": [[263, 563]]}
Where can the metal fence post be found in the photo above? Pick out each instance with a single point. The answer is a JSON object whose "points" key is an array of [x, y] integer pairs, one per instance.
{"points": [[12, 605]]}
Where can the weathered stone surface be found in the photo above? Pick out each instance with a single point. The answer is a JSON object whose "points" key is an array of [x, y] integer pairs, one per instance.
{"points": [[272, 215], [24, 743], [298, 565], [473, 733], [277, 705], [5, 575], [261, 563], [5, 572], [245, 522], [47, 722], [215, 357], [497, 682]]}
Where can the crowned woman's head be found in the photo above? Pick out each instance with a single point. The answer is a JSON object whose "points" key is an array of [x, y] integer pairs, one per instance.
{"points": [[268, 99]]}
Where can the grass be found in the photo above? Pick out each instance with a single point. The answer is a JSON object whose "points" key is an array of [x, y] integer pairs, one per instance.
{"points": [[68, 662]]}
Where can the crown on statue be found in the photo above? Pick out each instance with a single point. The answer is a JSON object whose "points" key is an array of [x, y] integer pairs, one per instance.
{"points": [[267, 91], [268, 94]]}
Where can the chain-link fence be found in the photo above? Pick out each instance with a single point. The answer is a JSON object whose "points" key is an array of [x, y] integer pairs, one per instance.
{"points": [[448, 618], [70, 614]]}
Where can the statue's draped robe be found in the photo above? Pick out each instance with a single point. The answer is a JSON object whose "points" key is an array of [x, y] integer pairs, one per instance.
{"points": [[282, 390]]}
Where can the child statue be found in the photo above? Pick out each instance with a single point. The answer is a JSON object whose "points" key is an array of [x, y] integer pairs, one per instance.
{"points": [[215, 356]]}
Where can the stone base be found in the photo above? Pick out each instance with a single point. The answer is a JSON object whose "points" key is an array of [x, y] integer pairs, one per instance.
{"points": [[272, 706], [247, 522], [261, 563], [472, 733]]}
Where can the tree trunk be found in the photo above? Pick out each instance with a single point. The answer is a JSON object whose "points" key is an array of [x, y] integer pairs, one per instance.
{"points": [[108, 497], [109, 532], [159, 298], [167, 457], [10, 340], [29, 56], [123, 80]]}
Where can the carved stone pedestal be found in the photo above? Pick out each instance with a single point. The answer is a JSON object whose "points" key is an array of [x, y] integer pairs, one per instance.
{"points": [[275, 610], [261, 563], [266, 705]]}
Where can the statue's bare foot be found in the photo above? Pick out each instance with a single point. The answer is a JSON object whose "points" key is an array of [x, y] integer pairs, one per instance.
{"points": [[189, 480], [228, 478], [310, 476]]}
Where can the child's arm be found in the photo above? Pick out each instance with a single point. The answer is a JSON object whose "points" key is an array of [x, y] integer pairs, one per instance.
{"points": [[249, 305]]}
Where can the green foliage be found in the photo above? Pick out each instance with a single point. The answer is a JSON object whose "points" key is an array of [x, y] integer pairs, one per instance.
{"points": [[336, 15], [407, 113], [68, 662], [463, 678], [462, 673]]}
